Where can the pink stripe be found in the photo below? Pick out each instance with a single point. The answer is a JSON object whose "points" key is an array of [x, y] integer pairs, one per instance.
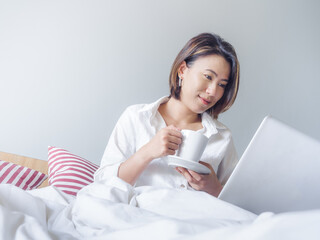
{"points": [[64, 152], [66, 168], [68, 186], [5, 174], [72, 157], [73, 175], [58, 151], [69, 192], [80, 171], [41, 178], [13, 177], [71, 163], [68, 180], [55, 148], [3, 165], [71, 169], [29, 180], [63, 156], [63, 170], [51, 147], [25, 174]]}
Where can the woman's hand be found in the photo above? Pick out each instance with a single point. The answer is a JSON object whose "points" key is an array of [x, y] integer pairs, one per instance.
{"points": [[164, 143], [208, 183]]}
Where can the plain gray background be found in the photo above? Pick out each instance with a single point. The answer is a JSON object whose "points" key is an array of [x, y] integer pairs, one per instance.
{"points": [[69, 68]]}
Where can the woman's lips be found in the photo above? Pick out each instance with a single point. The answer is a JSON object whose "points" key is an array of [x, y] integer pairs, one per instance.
{"points": [[204, 101]]}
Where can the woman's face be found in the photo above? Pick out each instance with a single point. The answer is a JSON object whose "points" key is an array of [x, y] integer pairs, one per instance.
{"points": [[204, 82]]}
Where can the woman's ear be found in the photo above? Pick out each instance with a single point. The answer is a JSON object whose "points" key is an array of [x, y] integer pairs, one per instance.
{"points": [[182, 69]]}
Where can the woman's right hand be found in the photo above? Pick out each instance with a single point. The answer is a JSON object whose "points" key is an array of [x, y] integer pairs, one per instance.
{"points": [[165, 142]]}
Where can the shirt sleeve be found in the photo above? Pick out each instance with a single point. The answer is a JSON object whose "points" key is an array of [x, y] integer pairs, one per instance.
{"points": [[228, 162], [120, 147]]}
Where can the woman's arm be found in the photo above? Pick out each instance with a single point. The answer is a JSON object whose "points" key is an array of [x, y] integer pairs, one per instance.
{"points": [[164, 143]]}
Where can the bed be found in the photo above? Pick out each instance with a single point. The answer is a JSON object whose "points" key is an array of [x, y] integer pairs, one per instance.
{"points": [[63, 207]]}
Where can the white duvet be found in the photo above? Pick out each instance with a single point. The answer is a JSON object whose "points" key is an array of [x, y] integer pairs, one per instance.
{"points": [[116, 210]]}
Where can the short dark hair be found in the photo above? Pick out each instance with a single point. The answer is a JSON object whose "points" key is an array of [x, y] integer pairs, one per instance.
{"points": [[206, 44]]}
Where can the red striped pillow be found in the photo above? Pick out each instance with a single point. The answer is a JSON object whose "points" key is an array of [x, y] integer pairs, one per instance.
{"points": [[69, 172], [22, 177]]}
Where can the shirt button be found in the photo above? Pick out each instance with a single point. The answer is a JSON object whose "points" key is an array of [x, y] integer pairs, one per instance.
{"points": [[182, 186]]}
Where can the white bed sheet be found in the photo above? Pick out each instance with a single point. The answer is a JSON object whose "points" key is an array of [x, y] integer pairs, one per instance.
{"points": [[116, 210]]}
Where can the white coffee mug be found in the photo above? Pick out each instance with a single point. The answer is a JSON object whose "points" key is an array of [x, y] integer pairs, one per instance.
{"points": [[192, 146]]}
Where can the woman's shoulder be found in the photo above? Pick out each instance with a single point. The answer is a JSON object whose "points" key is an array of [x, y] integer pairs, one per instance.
{"points": [[134, 112], [148, 108], [129, 117], [131, 112], [135, 108]]}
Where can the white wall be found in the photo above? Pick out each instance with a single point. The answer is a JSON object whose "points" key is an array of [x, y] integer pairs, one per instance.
{"points": [[69, 68]]}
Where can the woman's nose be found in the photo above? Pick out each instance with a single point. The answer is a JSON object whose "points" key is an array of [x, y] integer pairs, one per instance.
{"points": [[211, 89]]}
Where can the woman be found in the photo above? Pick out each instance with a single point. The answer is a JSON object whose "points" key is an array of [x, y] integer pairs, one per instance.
{"points": [[204, 82]]}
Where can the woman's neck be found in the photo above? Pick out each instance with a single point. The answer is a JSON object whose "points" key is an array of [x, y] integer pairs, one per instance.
{"points": [[174, 112]]}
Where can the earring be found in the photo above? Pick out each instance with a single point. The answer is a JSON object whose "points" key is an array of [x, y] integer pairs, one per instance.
{"points": [[180, 81]]}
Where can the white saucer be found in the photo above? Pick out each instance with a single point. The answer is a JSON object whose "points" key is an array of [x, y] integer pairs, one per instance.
{"points": [[194, 166]]}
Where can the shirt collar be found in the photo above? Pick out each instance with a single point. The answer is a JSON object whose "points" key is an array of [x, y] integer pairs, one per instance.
{"points": [[149, 111], [152, 108], [210, 125]]}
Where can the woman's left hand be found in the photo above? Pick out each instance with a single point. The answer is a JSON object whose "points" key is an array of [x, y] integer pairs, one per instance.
{"points": [[208, 183]]}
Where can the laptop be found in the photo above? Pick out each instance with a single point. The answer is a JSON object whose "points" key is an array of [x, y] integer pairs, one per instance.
{"points": [[278, 172]]}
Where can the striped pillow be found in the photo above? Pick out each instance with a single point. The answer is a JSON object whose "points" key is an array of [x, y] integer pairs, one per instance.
{"points": [[69, 172], [22, 177]]}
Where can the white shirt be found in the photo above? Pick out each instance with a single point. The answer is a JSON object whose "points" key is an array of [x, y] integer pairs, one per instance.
{"points": [[139, 124]]}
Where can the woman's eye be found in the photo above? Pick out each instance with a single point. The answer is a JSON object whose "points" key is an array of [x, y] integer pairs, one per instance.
{"points": [[207, 77], [222, 85]]}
